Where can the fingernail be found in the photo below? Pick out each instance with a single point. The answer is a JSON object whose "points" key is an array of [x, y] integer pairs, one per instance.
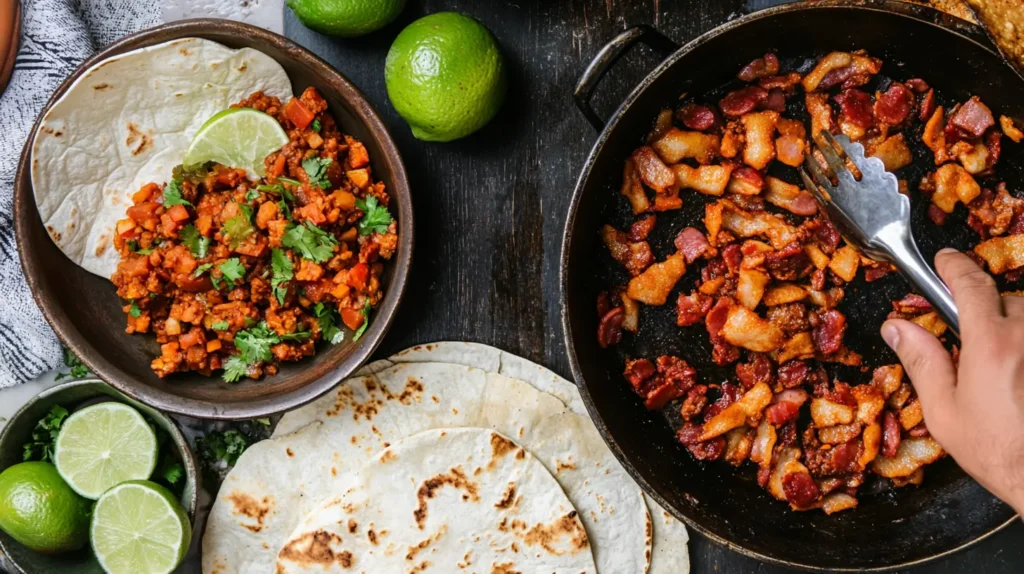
{"points": [[891, 335], [947, 251]]}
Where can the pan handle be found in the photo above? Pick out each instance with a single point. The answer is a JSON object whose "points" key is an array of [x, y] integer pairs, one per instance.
{"points": [[609, 54]]}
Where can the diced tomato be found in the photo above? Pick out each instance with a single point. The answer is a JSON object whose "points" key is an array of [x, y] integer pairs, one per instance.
{"points": [[126, 226], [145, 193], [214, 345], [276, 168], [144, 211], [353, 319], [190, 339], [203, 225], [297, 113], [135, 266], [178, 213], [358, 275], [195, 284]]}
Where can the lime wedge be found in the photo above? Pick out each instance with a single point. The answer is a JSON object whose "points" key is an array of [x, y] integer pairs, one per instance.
{"points": [[238, 137], [138, 527], [104, 445]]}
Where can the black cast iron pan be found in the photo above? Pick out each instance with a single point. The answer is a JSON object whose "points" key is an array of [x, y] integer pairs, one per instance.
{"points": [[892, 527]]}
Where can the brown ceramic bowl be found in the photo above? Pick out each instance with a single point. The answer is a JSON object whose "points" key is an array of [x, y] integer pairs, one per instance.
{"points": [[85, 311]]}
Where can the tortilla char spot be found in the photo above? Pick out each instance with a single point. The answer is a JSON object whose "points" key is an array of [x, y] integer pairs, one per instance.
{"points": [[54, 233], [455, 411], [388, 456], [185, 51], [435, 399], [101, 87], [334, 471], [136, 135], [371, 535], [454, 478], [563, 466], [246, 505], [315, 548], [353, 439], [101, 244], [242, 67], [46, 129], [507, 498], [412, 390], [467, 560], [57, 134], [289, 452], [421, 567], [547, 536], [423, 544], [352, 526], [504, 568], [500, 446]]}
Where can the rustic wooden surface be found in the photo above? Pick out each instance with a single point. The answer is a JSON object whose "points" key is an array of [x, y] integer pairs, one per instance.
{"points": [[490, 208]]}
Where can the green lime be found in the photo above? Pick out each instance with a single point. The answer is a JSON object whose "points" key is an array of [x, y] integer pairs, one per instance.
{"points": [[104, 445], [138, 527], [237, 137], [39, 509], [445, 76], [346, 18]]}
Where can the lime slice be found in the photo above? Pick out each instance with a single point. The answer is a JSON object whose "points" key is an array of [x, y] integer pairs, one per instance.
{"points": [[238, 137], [104, 445], [138, 527]]}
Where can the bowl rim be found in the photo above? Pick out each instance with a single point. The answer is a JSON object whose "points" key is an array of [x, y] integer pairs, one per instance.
{"points": [[897, 8], [362, 109], [170, 425]]}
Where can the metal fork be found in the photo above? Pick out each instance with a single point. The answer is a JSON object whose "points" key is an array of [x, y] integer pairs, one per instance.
{"points": [[874, 216]]}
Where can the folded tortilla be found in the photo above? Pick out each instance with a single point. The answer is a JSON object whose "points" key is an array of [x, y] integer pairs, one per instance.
{"points": [[443, 501], [127, 121]]}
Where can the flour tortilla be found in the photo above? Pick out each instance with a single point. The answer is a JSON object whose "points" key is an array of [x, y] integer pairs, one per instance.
{"points": [[126, 122], [668, 550], [443, 501], [366, 414]]}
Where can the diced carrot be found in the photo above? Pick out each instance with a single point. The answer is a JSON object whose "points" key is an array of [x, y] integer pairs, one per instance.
{"points": [[190, 339], [203, 224], [214, 345], [134, 266], [359, 177], [344, 200], [297, 113], [168, 349], [168, 226], [357, 276], [145, 193], [143, 211], [352, 318], [340, 291], [277, 168], [178, 213], [349, 234], [125, 226], [357, 155], [314, 140]]}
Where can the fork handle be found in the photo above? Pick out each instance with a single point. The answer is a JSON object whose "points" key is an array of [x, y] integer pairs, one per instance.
{"points": [[909, 261]]}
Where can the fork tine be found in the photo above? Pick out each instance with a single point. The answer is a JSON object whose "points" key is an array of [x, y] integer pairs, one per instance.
{"points": [[835, 163], [819, 174]]}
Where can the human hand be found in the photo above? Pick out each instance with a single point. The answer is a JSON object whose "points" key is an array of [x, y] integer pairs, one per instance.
{"points": [[975, 412]]}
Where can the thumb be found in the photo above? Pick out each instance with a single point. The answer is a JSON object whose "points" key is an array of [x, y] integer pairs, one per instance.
{"points": [[929, 367]]}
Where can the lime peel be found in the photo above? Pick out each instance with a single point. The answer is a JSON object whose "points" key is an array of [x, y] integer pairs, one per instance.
{"points": [[237, 137], [154, 533]]}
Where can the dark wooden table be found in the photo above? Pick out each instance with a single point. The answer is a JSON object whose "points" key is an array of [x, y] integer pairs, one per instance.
{"points": [[490, 208]]}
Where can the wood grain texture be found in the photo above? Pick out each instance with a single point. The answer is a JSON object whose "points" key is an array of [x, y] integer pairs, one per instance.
{"points": [[490, 208]]}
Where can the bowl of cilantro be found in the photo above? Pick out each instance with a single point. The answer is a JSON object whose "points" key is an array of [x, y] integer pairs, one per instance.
{"points": [[30, 435], [280, 298]]}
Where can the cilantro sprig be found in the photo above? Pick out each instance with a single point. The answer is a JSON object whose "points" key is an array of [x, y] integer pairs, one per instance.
{"points": [[232, 271], [376, 217], [196, 243], [316, 169], [277, 189], [253, 346], [328, 319], [44, 435], [238, 228], [310, 241], [77, 368], [282, 267], [172, 194], [366, 320]]}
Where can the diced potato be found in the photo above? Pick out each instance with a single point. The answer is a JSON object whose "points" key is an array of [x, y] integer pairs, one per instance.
{"points": [[782, 293], [750, 287], [676, 145], [1002, 253], [845, 262], [799, 346], [746, 329], [653, 285]]}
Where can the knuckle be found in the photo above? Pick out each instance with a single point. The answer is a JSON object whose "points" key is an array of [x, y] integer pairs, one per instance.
{"points": [[975, 279]]}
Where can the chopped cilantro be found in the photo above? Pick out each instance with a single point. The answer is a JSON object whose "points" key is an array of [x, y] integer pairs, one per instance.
{"points": [[246, 210], [44, 434], [220, 326], [77, 368], [172, 194], [327, 317], [221, 446], [284, 209], [296, 336], [278, 189], [235, 368], [310, 241], [237, 229], [133, 244], [232, 270], [366, 320], [195, 242], [316, 169], [289, 180], [202, 269], [252, 194], [282, 266], [171, 471], [254, 343], [376, 218], [135, 311], [315, 125]]}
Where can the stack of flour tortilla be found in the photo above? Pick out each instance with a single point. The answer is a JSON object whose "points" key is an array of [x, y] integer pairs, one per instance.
{"points": [[449, 457]]}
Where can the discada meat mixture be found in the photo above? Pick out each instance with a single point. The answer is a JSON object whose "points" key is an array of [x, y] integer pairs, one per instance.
{"points": [[771, 270], [239, 275]]}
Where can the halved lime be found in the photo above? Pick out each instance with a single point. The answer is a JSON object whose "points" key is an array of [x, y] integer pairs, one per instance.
{"points": [[238, 137], [138, 527], [104, 445]]}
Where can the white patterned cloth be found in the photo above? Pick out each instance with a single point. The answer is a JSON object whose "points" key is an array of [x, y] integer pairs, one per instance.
{"points": [[57, 35]]}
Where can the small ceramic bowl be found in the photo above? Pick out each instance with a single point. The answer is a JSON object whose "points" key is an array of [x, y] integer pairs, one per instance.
{"points": [[18, 431]]}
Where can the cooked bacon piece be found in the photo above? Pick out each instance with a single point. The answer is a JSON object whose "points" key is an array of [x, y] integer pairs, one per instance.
{"points": [[632, 189], [788, 263], [631, 317], [994, 214], [827, 413], [855, 116], [926, 106], [759, 127], [912, 304], [746, 410], [858, 73], [764, 443], [799, 346], [970, 120], [706, 179], [820, 262], [785, 406], [790, 150], [760, 68], [661, 125], [783, 294], [745, 224], [887, 378], [870, 402], [826, 299], [912, 454], [831, 61], [653, 285], [738, 443], [893, 106], [676, 145], [750, 287], [1011, 131], [694, 403], [841, 459], [743, 101], [732, 140], [745, 181], [693, 244], [671, 379], [641, 228], [786, 82], [696, 117], [634, 256], [975, 157], [801, 490], [667, 201], [637, 371], [952, 183], [790, 197], [786, 461], [744, 328], [911, 414], [839, 434], [821, 114], [653, 172], [609, 329], [845, 263], [837, 502], [828, 333], [894, 152], [691, 309], [792, 374], [689, 435], [934, 136], [757, 370]]}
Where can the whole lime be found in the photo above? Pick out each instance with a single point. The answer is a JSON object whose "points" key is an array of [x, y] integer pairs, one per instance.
{"points": [[346, 18], [445, 76], [39, 509]]}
